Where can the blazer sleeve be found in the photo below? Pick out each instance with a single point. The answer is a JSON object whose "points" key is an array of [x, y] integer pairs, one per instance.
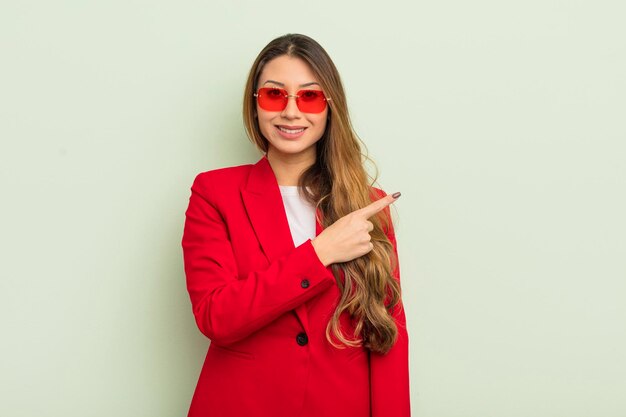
{"points": [[389, 373], [226, 308]]}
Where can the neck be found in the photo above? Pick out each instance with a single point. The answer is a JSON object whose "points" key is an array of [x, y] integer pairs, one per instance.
{"points": [[289, 168]]}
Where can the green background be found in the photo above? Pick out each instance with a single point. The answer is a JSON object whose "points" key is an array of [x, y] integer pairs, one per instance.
{"points": [[502, 124]]}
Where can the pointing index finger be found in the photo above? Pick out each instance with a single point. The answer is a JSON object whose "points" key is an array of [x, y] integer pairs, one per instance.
{"points": [[373, 208]]}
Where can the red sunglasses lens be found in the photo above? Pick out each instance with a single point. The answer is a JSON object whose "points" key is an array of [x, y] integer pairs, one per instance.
{"points": [[272, 99], [275, 99], [311, 101]]}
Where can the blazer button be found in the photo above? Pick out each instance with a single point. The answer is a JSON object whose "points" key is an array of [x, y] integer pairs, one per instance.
{"points": [[305, 283], [302, 339]]}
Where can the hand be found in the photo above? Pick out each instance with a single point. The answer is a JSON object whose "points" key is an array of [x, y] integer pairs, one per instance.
{"points": [[348, 238]]}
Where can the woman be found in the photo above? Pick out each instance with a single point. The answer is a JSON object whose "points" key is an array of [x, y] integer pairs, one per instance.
{"points": [[291, 262]]}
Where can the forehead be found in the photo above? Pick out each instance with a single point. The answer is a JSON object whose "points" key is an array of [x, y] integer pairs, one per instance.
{"points": [[291, 71]]}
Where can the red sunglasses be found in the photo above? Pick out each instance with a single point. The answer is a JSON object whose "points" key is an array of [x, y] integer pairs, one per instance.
{"points": [[275, 99]]}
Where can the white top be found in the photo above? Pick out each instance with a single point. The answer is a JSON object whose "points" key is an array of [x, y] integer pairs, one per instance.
{"points": [[300, 214]]}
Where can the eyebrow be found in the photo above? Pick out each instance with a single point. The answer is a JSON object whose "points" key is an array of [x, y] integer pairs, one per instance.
{"points": [[282, 84]]}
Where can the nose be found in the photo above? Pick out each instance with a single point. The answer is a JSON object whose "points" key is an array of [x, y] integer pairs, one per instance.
{"points": [[291, 111]]}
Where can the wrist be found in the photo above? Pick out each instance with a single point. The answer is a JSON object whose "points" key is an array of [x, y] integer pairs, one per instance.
{"points": [[319, 250]]}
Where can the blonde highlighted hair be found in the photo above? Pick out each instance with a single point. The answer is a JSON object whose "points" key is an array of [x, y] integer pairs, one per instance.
{"points": [[338, 184]]}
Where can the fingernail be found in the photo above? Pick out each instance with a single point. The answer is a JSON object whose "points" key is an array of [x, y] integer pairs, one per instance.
{"points": [[396, 195]]}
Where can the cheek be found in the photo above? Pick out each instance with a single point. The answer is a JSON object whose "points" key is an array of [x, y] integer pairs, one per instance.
{"points": [[265, 122], [321, 121]]}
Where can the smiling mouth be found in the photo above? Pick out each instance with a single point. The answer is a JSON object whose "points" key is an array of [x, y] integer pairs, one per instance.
{"points": [[291, 131]]}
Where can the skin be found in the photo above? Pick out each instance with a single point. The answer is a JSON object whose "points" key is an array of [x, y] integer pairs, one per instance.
{"points": [[289, 157], [347, 238]]}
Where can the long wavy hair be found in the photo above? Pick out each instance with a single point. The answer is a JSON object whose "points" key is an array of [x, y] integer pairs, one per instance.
{"points": [[337, 184]]}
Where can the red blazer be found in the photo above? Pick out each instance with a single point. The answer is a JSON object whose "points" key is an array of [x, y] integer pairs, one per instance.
{"points": [[265, 304]]}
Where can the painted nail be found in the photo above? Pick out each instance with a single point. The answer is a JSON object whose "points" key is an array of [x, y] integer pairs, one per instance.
{"points": [[396, 195]]}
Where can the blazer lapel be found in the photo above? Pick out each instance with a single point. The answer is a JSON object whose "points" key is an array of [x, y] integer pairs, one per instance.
{"points": [[266, 211]]}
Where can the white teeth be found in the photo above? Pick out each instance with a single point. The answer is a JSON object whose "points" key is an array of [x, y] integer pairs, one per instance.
{"points": [[290, 131]]}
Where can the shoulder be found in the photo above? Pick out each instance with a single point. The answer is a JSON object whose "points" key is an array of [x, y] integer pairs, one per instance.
{"points": [[222, 178], [378, 192]]}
